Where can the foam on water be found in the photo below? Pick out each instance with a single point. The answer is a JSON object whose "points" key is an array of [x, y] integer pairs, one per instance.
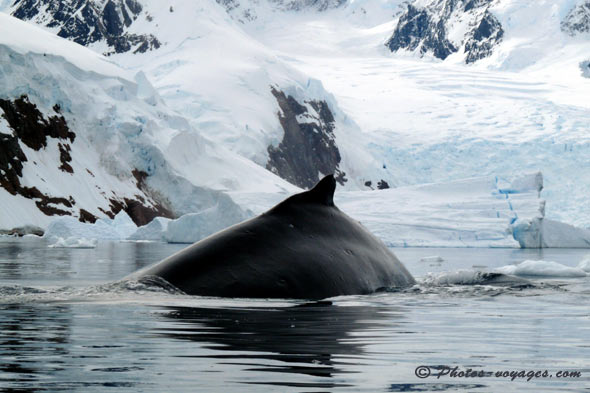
{"points": [[118, 290]]}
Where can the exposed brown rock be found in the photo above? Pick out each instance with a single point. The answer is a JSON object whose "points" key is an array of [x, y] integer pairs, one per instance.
{"points": [[32, 129], [86, 216], [142, 214], [140, 177], [65, 158], [30, 126], [308, 148], [138, 211]]}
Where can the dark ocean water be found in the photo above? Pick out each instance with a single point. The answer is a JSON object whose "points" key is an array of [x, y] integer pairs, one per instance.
{"points": [[68, 324]]}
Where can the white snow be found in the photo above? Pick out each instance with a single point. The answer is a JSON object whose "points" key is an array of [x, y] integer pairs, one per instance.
{"points": [[121, 124], [464, 145], [524, 109], [541, 268], [4, 127], [474, 212], [25, 38]]}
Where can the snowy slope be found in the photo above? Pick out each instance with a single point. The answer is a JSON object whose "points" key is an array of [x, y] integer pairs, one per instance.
{"points": [[523, 108], [97, 140], [223, 81], [406, 116], [475, 212]]}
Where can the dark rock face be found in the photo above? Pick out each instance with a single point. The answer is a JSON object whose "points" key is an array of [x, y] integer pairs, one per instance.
{"points": [[488, 33], [31, 128], [382, 185], [89, 21], [308, 147], [417, 29], [426, 29], [577, 21]]}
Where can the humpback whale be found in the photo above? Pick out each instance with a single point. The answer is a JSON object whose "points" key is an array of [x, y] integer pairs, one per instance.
{"points": [[303, 248]]}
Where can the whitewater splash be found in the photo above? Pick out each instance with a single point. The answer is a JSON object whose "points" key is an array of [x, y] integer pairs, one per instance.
{"points": [[151, 287], [523, 279]]}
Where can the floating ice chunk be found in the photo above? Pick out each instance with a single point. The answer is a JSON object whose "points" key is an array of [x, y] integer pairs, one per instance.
{"points": [[433, 258], [543, 233], [153, 231], [542, 268], [66, 227], [30, 238], [585, 264], [73, 242]]}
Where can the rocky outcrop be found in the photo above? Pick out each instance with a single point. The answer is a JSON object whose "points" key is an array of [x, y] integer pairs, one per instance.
{"points": [[308, 149], [427, 29], [90, 21], [26, 125], [31, 128], [577, 21]]}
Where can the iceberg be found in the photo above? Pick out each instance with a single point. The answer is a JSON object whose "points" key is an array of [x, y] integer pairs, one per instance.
{"points": [[542, 269], [67, 227], [73, 242], [153, 231], [540, 232]]}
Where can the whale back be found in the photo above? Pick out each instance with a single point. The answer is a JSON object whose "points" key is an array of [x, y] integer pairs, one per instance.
{"points": [[304, 247]]}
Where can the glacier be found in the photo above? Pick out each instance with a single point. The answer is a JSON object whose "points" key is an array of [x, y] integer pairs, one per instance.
{"points": [[188, 126], [123, 135]]}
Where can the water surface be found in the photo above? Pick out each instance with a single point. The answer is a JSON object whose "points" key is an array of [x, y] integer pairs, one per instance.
{"points": [[66, 324]]}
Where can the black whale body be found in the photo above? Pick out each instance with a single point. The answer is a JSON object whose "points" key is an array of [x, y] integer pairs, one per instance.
{"points": [[304, 248]]}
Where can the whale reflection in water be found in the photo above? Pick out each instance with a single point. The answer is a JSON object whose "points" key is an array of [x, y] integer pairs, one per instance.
{"points": [[307, 339]]}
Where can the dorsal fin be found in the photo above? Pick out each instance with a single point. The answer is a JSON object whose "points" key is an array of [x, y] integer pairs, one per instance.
{"points": [[322, 194]]}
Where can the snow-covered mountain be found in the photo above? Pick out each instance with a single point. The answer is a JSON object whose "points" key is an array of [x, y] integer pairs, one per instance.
{"points": [[444, 27], [522, 108], [509, 34], [233, 89], [384, 93], [82, 137], [577, 20], [102, 24]]}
